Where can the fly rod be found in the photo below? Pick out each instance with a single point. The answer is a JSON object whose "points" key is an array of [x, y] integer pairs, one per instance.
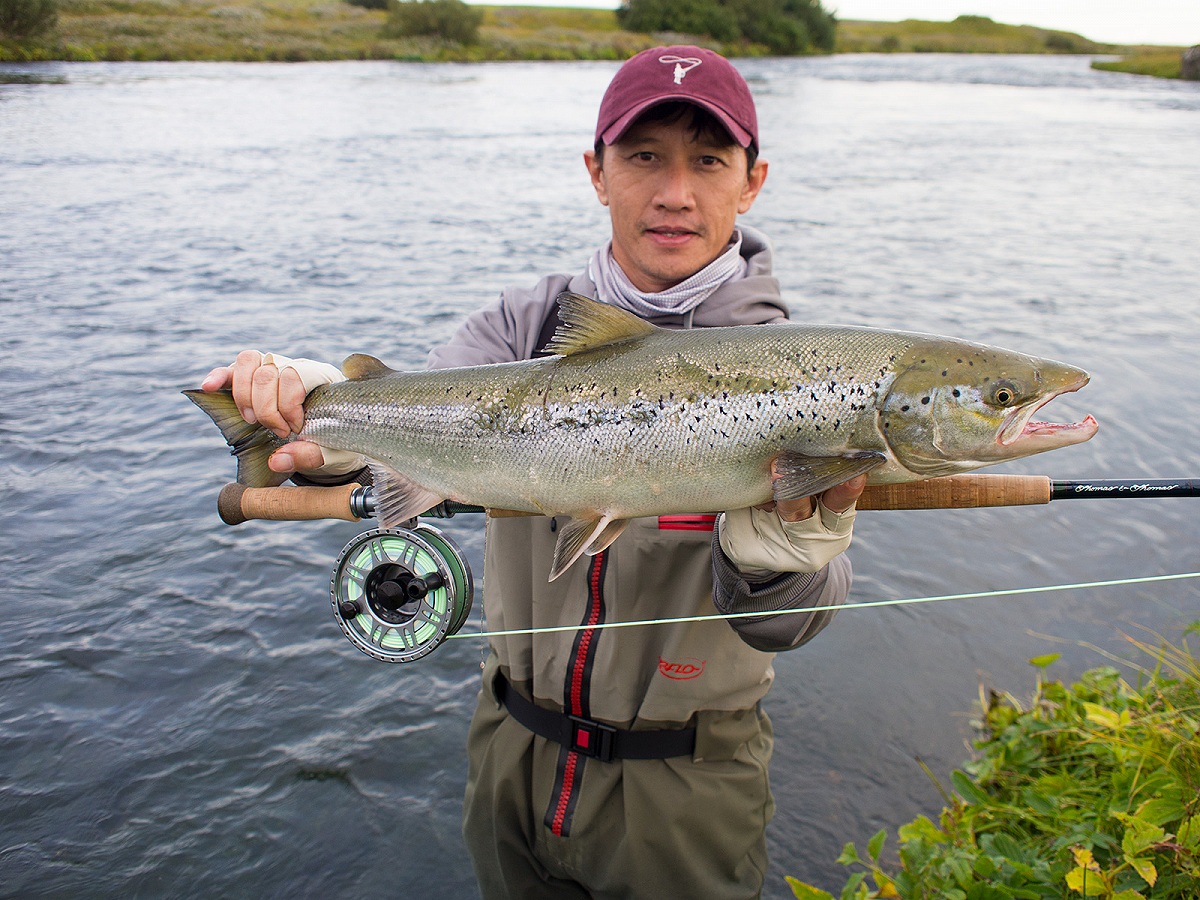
{"points": [[237, 503], [397, 593]]}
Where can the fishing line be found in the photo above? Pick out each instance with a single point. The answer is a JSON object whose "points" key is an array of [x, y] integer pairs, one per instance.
{"points": [[870, 604], [397, 593]]}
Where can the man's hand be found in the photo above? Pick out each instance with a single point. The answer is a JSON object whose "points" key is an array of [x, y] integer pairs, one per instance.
{"points": [[272, 398], [791, 535]]}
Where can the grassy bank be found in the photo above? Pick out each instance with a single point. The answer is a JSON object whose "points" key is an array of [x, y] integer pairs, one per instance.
{"points": [[1160, 62], [295, 30], [966, 34], [299, 30], [978, 34]]}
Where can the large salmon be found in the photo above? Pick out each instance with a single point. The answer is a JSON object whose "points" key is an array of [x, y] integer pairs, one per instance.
{"points": [[628, 419]]}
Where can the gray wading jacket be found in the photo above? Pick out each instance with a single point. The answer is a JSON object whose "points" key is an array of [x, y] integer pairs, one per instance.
{"points": [[670, 566]]}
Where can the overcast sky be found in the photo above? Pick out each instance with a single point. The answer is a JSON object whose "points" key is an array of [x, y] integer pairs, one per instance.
{"points": [[1173, 22]]}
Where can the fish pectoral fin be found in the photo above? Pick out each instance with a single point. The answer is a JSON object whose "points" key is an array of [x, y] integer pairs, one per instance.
{"points": [[578, 536], [357, 366], [588, 324], [251, 444], [799, 476], [397, 497]]}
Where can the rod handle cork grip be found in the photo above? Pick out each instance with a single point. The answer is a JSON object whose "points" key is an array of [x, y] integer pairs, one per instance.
{"points": [[237, 503], [959, 492]]}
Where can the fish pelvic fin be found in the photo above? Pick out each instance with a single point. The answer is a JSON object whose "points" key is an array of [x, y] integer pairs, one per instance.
{"points": [[580, 536], [251, 444], [610, 533], [357, 366], [588, 324], [397, 497], [799, 476]]}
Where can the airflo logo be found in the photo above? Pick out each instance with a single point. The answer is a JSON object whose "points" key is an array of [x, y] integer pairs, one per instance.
{"points": [[682, 670], [680, 62]]}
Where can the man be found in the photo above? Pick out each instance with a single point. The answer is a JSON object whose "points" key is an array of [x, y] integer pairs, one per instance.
{"points": [[633, 761]]}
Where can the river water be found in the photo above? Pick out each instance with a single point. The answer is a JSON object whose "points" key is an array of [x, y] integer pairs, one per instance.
{"points": [[179, 713]]}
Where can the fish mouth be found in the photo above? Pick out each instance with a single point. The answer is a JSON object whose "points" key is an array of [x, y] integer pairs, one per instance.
{"points": [[1019, 427]]}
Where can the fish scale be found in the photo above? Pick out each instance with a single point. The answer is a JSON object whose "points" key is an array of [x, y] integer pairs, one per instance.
{"points": [[627, 419]]}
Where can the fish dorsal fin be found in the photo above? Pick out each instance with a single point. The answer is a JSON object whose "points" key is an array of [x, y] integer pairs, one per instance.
{"points": [[588, 324], [359, 365]]}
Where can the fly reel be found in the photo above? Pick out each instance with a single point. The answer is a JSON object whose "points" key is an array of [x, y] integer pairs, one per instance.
{"points": [[398, 593]]}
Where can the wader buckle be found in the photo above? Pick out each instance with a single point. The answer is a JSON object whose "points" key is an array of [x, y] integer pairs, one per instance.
{"points": [[593, 739]]}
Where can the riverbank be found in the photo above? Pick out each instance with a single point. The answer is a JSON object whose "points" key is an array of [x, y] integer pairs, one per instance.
{"points": [[300, 30], [1160, 62]]}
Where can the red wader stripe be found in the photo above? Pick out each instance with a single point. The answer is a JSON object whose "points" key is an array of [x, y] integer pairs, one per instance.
{"points": [[578, 689], [703, 522]]}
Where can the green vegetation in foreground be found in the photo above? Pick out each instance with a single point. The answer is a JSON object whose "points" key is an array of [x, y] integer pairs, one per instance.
{"points": [[297, 30], [1091, 790]]}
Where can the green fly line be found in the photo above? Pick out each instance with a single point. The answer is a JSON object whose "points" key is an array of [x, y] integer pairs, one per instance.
{"points": [[871, 604]]}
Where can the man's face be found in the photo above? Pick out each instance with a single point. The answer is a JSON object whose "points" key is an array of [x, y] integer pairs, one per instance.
{"points": [[673, 198]]}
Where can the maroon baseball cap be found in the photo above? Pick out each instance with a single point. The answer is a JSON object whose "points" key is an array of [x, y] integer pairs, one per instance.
{"points": [[690, 74]]}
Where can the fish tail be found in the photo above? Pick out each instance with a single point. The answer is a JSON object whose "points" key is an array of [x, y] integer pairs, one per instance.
{"points": [[251, 444]]}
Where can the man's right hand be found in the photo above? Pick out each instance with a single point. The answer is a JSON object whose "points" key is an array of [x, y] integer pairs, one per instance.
{"points": [[273, 398]]}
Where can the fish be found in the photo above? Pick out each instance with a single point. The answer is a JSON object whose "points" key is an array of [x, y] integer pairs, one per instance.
{"points": [[627, 419]]}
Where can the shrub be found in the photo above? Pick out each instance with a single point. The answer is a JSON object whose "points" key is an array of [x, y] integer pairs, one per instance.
{"points": [[452, 20], [1060, 43], [708, 17], [27, 18], [783, 26], [1091, 790]]}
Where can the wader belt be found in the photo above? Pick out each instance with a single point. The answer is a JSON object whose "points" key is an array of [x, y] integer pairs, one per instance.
{"points": [[590, 738]]}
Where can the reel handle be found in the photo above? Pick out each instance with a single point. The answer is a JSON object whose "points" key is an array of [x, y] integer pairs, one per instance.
{"points": [[237, 503]]}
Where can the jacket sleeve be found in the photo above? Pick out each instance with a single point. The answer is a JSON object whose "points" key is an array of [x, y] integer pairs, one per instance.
{"points": [[737, 594], [505, 331]]}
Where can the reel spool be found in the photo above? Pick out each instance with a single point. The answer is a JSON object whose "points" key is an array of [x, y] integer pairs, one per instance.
{"points": [[398, 593]]}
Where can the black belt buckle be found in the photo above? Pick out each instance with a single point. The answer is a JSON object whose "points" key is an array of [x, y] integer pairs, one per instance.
{"points": [[592, 739]]}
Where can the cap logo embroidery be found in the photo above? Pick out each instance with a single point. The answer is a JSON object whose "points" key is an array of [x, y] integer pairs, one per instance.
{"points": [[679, 61]]}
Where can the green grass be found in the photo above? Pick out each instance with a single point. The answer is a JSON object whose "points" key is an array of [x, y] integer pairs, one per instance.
{"points": [[1157, 61], [220, 30], [966, 34], [298, 30]]}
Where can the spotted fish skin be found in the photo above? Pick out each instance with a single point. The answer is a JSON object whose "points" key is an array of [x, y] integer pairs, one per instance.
{"points": [[631, 420]]}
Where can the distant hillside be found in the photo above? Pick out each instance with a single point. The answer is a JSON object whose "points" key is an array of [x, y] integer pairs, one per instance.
{"points": [[966, 34]]}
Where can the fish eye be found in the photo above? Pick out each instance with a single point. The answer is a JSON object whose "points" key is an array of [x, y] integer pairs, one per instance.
{"points": [[1004, 393]]}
